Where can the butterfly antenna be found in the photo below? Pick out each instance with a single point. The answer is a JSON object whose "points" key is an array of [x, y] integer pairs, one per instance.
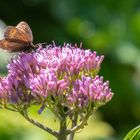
{"points": [[32, 45], [53, 43], [81, 44]]}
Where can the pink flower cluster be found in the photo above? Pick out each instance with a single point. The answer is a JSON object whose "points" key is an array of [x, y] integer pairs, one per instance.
{"points": [[87, 91], [55, 75]]}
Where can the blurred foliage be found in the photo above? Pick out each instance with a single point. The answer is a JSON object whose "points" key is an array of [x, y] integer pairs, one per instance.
{"points": [[110, 27]]}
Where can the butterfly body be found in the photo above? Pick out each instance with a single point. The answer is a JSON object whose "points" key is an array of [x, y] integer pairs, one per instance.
{"points": [[17, 38]]}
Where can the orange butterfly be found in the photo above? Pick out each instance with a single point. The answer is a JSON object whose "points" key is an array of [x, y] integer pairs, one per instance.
{"points": [[17, 38]]}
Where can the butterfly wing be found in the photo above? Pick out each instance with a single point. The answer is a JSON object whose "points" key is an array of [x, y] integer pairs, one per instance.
{"points": [[25, 28], [17, 38], [20, 33], [11, 46], [14, 34]]}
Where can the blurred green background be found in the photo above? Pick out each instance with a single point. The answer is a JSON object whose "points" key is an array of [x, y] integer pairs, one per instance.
{"points": [[111, 28]]}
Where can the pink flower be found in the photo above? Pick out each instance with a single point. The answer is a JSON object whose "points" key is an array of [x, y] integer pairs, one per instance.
{"points": [[87, 91]]}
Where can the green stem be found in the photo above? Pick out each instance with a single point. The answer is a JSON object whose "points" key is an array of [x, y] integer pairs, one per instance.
{"points": [[63, 128], [80, 125], [74, 123], [25, 115], [11, 109]]}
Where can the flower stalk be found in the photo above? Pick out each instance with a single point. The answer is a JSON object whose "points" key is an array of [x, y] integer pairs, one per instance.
{"points": [[63, 128], [74, 123], [36, 123]]}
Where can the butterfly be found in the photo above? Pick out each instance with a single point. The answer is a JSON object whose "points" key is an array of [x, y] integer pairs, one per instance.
{"points": [[17, 38]]}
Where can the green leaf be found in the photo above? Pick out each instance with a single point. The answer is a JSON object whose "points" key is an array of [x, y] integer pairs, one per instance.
{"points": [[133, 134]]}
